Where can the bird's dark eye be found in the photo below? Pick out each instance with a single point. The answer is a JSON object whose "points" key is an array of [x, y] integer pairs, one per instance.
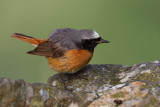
{"points": [[98, 39], [88, 41], [95, 40], [91, 41]]}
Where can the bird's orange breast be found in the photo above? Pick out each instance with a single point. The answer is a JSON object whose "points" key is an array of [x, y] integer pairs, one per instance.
{"points": [[72, 61]]}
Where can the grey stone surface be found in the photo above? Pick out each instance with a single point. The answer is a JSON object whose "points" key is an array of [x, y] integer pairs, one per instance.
{"points": [[105, 85]]}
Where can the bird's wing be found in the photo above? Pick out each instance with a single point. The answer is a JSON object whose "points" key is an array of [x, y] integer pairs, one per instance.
{"points": [[48, 49], [58, 42]]}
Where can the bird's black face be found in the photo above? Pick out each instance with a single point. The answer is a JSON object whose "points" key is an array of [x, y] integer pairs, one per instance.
{"points": [[90, 39], [90, 44], [95, 41]]}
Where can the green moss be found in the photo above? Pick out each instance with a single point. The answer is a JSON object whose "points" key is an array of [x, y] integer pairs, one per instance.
{"points": [[23, 93], [153, 76], [115, 81], [144, 87], [37, 103], [50, 92], [119, 94], [153, 102], [144, 76]]}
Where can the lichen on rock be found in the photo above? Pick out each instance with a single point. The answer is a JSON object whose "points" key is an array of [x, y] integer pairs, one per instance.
{"points": [[107, 85]]}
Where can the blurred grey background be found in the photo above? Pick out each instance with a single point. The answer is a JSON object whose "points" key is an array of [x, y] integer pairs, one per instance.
{"points": [[133, 27]]}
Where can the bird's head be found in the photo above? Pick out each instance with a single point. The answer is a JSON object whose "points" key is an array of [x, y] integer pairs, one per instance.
{"points": [[90, 39]]}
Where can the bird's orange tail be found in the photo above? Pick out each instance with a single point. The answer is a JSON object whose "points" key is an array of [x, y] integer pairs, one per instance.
{"points": [[28, 39]]}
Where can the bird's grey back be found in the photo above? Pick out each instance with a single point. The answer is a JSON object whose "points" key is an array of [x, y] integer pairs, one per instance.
{"points": [[68, 38]]}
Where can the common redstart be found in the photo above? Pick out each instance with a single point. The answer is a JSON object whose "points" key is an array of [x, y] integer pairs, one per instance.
{"points": [[67, 50]]}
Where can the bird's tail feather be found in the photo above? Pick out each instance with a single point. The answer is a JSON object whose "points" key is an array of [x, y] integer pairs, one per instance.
{"points": [[28, 39]]}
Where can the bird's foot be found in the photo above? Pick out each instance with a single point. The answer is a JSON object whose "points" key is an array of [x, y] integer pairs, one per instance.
{"points": [[80, 77], [65, 86]]}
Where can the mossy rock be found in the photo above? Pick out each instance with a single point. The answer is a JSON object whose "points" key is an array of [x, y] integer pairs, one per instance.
{"points": [[108, 85]]}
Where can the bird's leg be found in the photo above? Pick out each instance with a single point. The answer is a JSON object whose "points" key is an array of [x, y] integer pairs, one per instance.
{"points": [[65, 87], [78, 76]]}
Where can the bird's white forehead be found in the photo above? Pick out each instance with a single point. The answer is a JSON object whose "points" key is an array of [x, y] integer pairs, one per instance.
{"points": [[95, 34]]}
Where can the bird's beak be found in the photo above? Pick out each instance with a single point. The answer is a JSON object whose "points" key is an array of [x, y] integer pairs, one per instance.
{"points": [[102, 41]]}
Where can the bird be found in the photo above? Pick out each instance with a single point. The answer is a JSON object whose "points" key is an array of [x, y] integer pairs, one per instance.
{"points": [[67, 50]]}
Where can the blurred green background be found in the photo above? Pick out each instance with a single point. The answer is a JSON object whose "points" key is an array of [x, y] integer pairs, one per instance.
{"points": [[132, 26]]}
